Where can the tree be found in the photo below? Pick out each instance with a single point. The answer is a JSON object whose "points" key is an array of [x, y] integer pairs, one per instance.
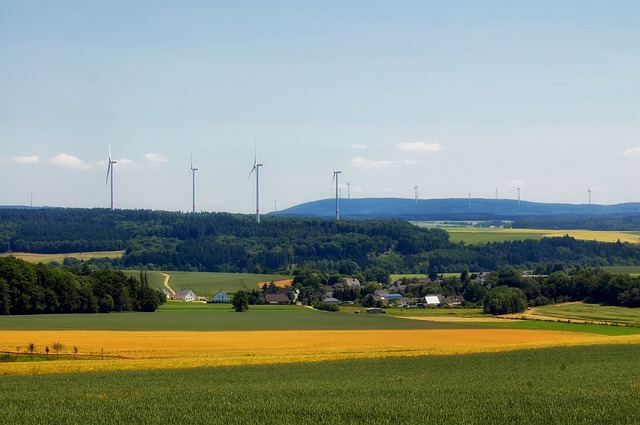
{"points": [[241, 301], [505, 300], [57, 347]]}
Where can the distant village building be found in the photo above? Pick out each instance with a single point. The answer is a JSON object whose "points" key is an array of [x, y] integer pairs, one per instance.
{"points": [[277, 299], [166, 292], [432, 300], [221, 297], [185, 295]]}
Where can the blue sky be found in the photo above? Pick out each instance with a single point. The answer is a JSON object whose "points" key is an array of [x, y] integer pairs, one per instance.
{"points": [[455, 97]]}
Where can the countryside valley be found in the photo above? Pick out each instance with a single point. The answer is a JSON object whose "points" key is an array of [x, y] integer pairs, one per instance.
{"points": [[261, 322]]}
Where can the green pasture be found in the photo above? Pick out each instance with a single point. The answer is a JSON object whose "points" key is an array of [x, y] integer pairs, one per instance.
{"points": [[175, 316], [562, 385], [592, 313], [548, 325], [207, 283], [475, 237], [633, 271]]}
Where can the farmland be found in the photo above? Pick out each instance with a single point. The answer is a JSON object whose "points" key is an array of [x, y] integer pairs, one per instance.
{"points": [[279, 364], [562, 385], [208, 283], [474, 235], [59, 258]]}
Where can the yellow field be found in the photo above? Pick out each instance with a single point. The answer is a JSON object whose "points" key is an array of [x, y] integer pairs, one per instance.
{"points": [[125, 350], [47, 258], [587, 235]]}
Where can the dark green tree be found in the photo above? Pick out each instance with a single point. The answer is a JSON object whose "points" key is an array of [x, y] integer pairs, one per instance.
{"points": [[505, 300], [241, 301]]}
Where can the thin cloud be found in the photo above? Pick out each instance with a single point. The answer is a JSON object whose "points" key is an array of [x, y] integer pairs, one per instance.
{"points": [[370, 163], [419, 147], [410, 162], [70, 161], [357, 147], [155, 158], [633, 153], [26, 159]]}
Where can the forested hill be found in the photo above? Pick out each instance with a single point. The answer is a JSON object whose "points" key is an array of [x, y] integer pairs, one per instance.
{"points": [[236, 243], [452, 209]]}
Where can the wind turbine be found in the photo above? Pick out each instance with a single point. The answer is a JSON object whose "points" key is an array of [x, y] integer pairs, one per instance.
{"points": [[348, 190], [589, 190], [336, 174], [518, 195], [193, 184], [415, 193], [110, 175], [256, 168]]}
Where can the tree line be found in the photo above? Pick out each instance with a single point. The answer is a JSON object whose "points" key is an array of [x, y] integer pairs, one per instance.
{"points": [[223, 242], [27, 288]]}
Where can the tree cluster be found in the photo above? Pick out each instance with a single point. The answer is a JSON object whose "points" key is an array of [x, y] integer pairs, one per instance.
{"points": [[27, 288]]}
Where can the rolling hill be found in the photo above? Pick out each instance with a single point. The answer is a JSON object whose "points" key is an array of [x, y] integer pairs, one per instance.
{"points": [[453, 209]]}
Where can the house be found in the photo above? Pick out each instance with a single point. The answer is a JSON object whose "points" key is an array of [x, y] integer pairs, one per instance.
{"points": [[351, 282], [432, 299], [221, 297], [277, 299], [185, 295], [331, 300], [454, 300], [407, 302], [389, 297], [166, 292]]}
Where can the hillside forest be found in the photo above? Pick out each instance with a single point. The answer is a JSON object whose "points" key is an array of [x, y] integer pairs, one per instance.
{"points": [[317, 252]]}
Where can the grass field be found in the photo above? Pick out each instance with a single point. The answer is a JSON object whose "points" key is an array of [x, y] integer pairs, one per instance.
{"points": [[589, 313], [598, 384], [47, 258], [207, 284]]}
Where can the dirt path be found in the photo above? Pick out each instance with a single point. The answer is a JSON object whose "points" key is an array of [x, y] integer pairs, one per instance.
{"points": [[166, 283]]}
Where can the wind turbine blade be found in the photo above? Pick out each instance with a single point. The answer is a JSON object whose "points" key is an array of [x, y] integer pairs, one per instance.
{"points": [[109, 147], [106, 182]]}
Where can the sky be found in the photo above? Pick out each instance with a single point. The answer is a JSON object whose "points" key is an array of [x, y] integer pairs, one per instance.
{"points": [[459, 98]]}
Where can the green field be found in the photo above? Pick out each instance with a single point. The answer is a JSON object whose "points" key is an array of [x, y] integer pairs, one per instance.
{"points": [[630, 270], [591, 312], [571, 385], [177, 316], [206, 283]]}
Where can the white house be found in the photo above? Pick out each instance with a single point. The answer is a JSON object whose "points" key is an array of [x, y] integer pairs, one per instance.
{"points": [[185, 295], [432, 300], [221, 297]]}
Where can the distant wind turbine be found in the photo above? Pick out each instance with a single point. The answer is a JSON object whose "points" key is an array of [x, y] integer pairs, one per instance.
{"points": [[415, 192], [256, 168], [348, 190], [589, 190], [518, 195], [110, 175], [336, 174], [193, 185]]}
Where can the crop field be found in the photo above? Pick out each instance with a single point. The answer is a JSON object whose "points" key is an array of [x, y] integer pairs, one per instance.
{"points": [[208, 283], [597, 384], [480, 235], [48, 258]]}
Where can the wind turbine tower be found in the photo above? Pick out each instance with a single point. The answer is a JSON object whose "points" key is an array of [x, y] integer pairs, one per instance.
{"points": [[348, 190], [589, 190], [518, 195], [193, 185], [110, 175], [336, 174], [256, 168], [415, 193]]}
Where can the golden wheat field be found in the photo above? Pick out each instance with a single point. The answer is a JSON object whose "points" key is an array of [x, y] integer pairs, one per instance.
{"points": [[126, 350]]}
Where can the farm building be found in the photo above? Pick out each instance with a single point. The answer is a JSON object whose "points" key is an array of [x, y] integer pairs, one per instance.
{"points": [[185, 295], [432, 300], [221, 297], [166, 292], [277, 299]]}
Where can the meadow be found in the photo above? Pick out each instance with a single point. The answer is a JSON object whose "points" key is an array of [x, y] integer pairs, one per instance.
{"points": [[208, 283], [589, 313], [59, 258], [598, 384]]}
